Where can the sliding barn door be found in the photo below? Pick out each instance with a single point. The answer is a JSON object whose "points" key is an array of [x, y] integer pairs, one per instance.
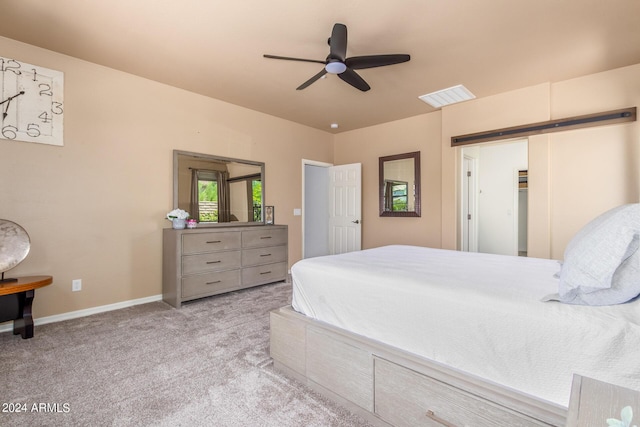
{"points": [[345, 207]]}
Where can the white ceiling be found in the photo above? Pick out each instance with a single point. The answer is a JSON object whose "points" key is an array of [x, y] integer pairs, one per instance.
{"points": [[215, 47]]}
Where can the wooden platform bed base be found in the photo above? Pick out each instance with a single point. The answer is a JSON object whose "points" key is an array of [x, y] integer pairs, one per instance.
{"points": [[388, 386]]}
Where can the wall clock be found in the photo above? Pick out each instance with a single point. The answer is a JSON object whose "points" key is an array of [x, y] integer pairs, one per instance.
{"points": [[31, 102]]}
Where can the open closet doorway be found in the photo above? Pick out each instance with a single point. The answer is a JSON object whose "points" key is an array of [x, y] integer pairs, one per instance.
{"points": [[331, 208], [493, 198]]}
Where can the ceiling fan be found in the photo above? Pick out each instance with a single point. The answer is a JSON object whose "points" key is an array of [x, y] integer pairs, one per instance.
{"points": [[338, 63]]}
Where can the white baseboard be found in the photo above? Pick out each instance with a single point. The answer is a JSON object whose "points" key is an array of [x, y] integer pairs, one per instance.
{"points": [[8, 326]]}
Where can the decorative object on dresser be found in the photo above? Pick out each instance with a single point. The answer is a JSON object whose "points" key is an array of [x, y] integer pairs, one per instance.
{"points": [[269, 215], [207, 261], [178, 218]]}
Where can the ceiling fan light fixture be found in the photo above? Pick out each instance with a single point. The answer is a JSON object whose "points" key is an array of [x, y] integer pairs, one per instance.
{"points": [[335, 67], [452, 95], [336, 62]]}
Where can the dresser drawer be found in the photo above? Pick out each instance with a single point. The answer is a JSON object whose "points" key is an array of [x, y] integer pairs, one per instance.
{"points": [[407, 398], [214, 261], [264, 273], [266, 255], [264, 236], [201, 285], [209, 242]]}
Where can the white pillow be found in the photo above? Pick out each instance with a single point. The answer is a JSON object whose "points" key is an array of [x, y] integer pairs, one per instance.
{"points": [[602, 261]]}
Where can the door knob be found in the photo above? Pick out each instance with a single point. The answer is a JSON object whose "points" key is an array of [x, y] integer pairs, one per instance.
{"points": [[356, 221]]}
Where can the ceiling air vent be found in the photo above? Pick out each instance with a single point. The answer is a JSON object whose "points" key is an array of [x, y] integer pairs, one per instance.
{"points": [[448, 96]]}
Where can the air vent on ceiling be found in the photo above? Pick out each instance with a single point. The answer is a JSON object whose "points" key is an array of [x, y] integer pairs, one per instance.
{"points": [[447, 96]]}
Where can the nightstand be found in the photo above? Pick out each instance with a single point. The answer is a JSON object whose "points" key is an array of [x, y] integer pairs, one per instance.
{"points": [[592, 402]]}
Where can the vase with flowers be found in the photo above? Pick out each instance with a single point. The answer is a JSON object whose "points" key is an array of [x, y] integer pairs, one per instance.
{"points": [[178, 218]]}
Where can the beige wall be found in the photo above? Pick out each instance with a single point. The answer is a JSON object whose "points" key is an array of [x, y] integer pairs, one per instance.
{"points": [[421, 133], [594, 169], [527, 105], [573, 175], [95, 208]]}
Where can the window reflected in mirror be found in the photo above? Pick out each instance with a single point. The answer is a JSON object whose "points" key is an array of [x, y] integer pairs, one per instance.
{"points": [[400, 185], [396, 196], [218, 190]]}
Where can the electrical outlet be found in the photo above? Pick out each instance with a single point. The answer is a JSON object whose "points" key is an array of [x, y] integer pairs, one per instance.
{"points": [[76, 285]]}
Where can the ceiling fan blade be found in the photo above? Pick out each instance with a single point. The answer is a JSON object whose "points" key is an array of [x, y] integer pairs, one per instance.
{"points": [[312, 79], [338, 42], [354, 80], [294, 59], [372, 61]]}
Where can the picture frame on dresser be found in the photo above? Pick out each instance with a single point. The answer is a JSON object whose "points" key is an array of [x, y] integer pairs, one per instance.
{"points": [[269, 215]]}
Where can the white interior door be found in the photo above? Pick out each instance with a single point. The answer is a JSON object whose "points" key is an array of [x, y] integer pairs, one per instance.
{"points": [[469, 205], [345, 207]]}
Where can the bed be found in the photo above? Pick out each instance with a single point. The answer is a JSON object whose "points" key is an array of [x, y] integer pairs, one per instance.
{"points": [[409, 335]]}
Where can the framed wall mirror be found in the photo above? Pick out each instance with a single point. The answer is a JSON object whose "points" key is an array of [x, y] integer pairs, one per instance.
{"points": [[400, 185], [218, 190]]}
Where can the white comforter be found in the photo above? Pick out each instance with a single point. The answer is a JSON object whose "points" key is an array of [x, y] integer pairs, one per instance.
{"points": [[478, 313]]}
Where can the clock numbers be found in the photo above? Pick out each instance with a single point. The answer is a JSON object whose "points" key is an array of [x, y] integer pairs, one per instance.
{"points": [[33, 130], [10, 65], [9, 132], [45, 117], [31, 102], [45, 89]]}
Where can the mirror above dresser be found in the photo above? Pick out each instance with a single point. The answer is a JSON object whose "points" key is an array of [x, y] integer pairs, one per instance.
{"points": [[218, 190]]}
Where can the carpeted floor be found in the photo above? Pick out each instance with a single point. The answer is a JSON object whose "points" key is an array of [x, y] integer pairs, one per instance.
{"points": [[206, 364]]}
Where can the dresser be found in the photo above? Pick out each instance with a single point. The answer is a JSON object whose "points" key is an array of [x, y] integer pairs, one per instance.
{"points": [[204, 261]]}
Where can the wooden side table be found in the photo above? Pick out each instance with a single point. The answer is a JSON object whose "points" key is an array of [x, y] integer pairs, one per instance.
{"points": [[16, 300]]}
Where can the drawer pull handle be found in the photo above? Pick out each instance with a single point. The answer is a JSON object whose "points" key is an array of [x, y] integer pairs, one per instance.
{"points": [[213, 283], [265, 254], [265, 237], [214, 241], [213, 262], [266, 272], [434, 417]]}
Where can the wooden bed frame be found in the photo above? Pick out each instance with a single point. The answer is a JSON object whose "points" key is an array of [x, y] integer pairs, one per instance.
{"points": [[389, 386]]}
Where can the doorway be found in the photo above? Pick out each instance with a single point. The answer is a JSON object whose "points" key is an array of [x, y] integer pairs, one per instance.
{"points": [[331, 208], [493, 198], [315, 214]]}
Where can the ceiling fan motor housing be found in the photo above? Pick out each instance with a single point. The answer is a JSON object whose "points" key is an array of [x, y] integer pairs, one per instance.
{"points": [[338, 63]]}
